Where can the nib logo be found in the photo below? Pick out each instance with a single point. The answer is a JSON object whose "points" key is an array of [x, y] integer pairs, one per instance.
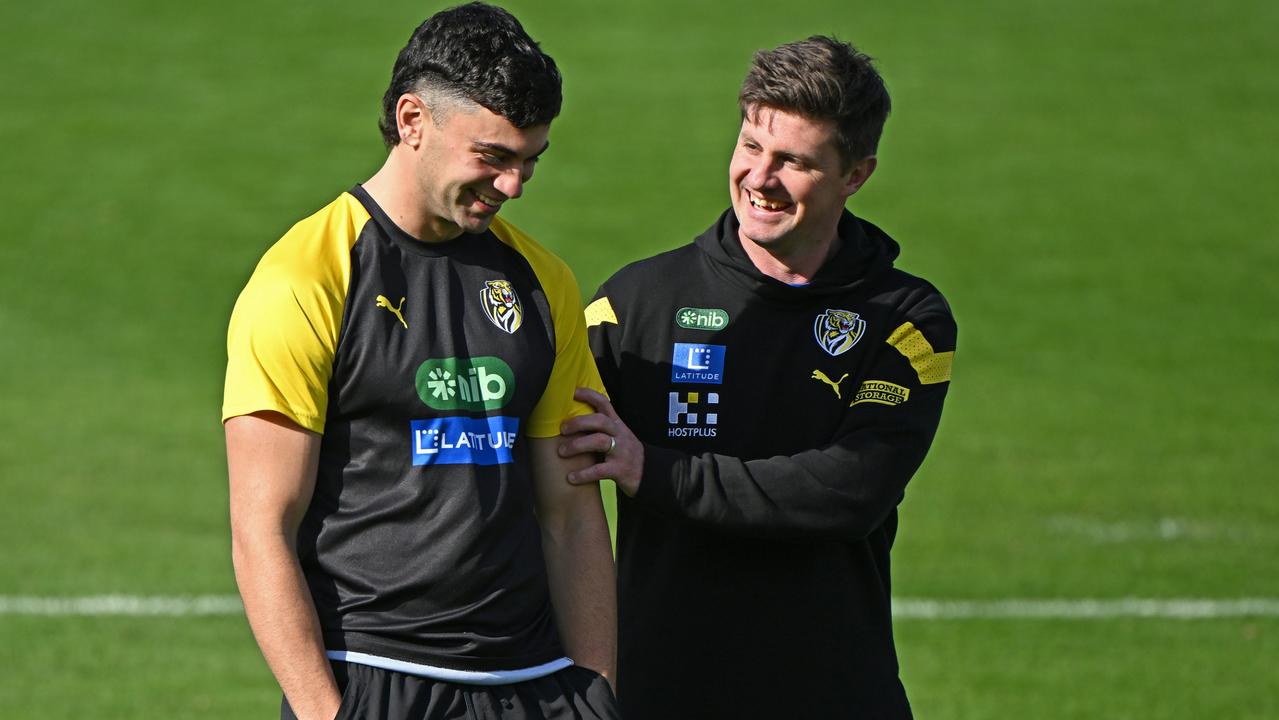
{"points": [[695, 318], [477, 384], [441, 383]]}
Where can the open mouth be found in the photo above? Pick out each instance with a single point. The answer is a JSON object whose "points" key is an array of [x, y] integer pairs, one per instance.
{"points": [[766, 204], [490, 202]]}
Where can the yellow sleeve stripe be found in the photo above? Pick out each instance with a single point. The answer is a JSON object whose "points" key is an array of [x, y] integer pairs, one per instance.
{"points": [[931, 367], [574, 365], [599, 312]]}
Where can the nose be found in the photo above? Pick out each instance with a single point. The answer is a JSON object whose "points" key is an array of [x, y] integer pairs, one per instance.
{"points": [[760, 174], [510, 183]]}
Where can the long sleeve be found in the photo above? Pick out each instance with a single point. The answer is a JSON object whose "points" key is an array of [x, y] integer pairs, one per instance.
{"points": [[842, 489]]}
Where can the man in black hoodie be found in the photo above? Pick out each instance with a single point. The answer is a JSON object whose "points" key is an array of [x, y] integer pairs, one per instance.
{"points": [[783, 382]]}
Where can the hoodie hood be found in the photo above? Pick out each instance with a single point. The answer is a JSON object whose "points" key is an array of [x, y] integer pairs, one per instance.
{"points": [[866, 253]]}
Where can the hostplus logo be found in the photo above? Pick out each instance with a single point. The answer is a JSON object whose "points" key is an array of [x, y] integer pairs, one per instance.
{"points": [[692, 414], [476, 384]]}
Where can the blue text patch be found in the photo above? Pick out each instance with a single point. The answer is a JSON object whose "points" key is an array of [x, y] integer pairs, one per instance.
{"points": [[697, 363], [464, 440]]}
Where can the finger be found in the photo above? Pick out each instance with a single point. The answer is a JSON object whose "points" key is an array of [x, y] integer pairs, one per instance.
{"points": [[581, 444], [595, 422], [596, 400], [593, 473]]}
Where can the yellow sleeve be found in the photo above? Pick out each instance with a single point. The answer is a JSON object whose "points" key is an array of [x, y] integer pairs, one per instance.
{"points": [[574, 365], [284, 329]]}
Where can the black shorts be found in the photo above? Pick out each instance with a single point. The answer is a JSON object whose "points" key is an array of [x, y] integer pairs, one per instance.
{"points": [[369, 693]]}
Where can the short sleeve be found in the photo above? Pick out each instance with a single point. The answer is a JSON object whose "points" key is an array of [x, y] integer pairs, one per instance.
{"points": [[574, 365], [284, 329]]}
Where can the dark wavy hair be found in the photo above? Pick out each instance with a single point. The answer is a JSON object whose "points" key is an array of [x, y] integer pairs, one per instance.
{"points": [[477, 52], [822, 78]]}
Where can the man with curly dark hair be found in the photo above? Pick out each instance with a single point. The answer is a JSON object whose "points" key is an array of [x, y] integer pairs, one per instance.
{"points": [[399, 365]]}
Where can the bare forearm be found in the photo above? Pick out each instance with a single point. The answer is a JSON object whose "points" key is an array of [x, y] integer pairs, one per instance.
{"points": [[282, 616], [579, 566]]}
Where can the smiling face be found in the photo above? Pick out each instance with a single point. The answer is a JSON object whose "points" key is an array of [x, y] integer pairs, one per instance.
{"points": [[468, 164], [788, 185]]}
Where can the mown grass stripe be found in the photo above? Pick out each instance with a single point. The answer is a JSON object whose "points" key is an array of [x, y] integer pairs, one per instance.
{"points": [[903, 608], [136, 605], [1085, 609]]}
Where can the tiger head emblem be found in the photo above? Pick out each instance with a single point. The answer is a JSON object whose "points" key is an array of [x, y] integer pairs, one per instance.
{"points": [[837, 331], [502, 305]]}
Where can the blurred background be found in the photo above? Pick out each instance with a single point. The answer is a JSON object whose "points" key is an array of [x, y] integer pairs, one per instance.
{"points": [[1090, 183]]}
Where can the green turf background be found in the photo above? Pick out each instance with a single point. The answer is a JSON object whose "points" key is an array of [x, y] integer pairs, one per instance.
{"points": [[1091, 183]]}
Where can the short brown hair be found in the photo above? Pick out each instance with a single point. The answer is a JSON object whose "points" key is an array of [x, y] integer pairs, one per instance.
{"points": [[822, 78]]}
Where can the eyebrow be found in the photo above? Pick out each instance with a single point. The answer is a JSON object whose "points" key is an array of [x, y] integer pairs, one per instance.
{"points": [[509, 152], [783, 154], [797, 157]]}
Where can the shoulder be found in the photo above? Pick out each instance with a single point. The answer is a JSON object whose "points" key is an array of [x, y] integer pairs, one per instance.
{"points": [[549, 267], [914, 294], [556, 279], [524, 244], [318, 247], [655, 272], [920, 308]]}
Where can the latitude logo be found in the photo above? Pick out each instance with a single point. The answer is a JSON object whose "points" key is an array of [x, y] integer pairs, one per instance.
{"points": [[698, 363], [457, 440], [476, 384]]}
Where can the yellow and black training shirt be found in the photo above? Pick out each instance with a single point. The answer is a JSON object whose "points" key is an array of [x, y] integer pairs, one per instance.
{"points": [[426, 367]]}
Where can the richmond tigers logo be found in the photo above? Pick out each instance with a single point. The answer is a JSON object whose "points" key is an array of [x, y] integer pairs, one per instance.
{"points": [[501, 305], [837, 331]]}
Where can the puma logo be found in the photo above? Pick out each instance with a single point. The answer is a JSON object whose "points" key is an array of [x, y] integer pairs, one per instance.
{"points": [[834, 384], [382, 302]]}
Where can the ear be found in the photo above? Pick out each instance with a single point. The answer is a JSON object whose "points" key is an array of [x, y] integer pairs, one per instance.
{"points": [[411, 119], [859, 174]]}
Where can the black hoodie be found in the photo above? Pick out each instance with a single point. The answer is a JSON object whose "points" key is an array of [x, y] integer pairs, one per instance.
{"points": [[781, 425]]}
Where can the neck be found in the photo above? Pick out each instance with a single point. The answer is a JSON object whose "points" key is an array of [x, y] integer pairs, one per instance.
{"points": [[393, 188], [790, 265]]}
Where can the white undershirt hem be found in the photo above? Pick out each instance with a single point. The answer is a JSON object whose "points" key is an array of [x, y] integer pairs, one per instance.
{"points": [[466, 677]]}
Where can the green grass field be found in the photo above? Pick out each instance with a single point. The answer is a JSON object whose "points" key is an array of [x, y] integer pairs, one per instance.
{"points": [[1091, 183]]}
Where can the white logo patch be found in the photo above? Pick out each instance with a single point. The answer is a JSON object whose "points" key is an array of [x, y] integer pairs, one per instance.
{"points": [[837, 331], [689, 414], [502, 305]]}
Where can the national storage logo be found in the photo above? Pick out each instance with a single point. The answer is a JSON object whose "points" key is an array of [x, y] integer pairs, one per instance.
{"points": [[694, 318], [475, 384], [881, 392]]}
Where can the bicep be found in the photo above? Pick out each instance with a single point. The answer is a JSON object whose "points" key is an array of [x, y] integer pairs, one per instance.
{"points": [[271, 466], [555, 499]]}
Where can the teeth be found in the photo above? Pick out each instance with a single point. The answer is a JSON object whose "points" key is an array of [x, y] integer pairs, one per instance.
{"points": [[767, 204], [491, 202]]}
